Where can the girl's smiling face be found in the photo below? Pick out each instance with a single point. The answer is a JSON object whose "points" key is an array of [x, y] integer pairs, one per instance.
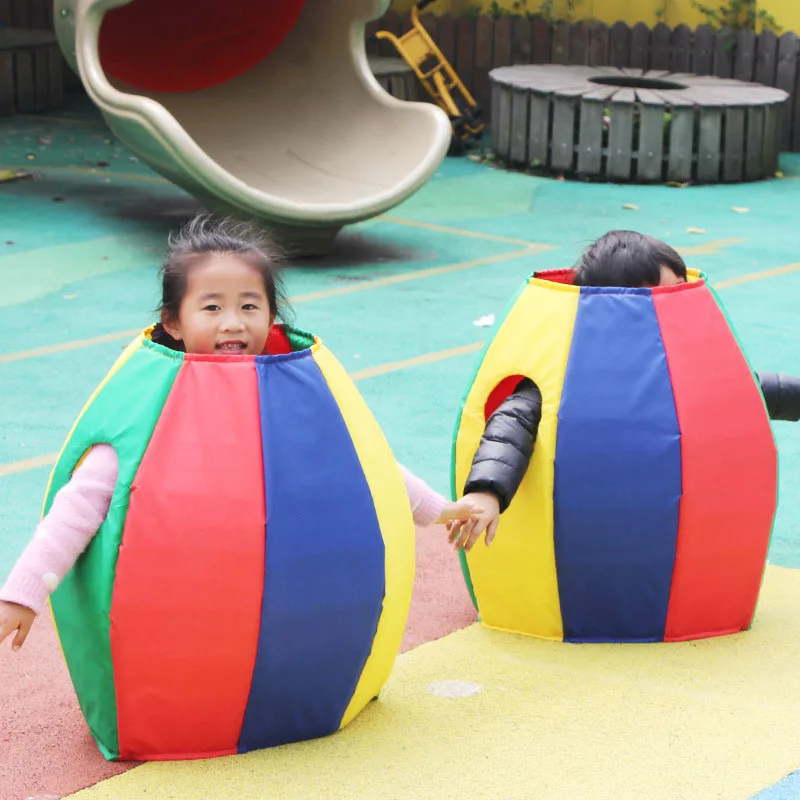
{"points": [[224, 310]]}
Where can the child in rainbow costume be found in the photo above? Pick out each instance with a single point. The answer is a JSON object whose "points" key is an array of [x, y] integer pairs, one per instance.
{"points": [[228, 535], [644, 511]]}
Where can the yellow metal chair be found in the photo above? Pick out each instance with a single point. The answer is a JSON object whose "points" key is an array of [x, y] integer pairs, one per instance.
{"points": [[437, 75]]}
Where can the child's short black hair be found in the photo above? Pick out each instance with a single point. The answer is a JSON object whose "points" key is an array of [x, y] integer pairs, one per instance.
{"points": [[626, 258]]}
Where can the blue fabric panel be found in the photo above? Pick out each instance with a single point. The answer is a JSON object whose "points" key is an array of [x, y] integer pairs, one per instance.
{"points": [[324, 581], [617, 472]]}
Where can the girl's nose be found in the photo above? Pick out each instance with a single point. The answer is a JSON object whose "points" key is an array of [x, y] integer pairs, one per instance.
{"points": [[232, 322]]}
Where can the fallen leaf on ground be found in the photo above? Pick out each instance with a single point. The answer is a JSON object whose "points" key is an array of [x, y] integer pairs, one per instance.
{"points": [[9, 175], [630, 207], [696, 230]]}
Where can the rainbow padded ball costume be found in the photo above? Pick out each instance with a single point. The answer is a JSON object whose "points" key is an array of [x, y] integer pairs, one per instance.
{"points": [[646, 512], [251, 583]]}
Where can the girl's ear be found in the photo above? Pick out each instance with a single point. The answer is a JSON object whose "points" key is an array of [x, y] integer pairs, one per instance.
{"points": [[171, 326]]}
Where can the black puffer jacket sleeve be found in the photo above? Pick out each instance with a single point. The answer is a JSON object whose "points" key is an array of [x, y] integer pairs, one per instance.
{"points": [[782, 394], [507, 445]]}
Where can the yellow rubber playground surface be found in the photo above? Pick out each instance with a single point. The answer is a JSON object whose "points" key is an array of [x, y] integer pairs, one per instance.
{"points": [[475, 713], [483, 714]]}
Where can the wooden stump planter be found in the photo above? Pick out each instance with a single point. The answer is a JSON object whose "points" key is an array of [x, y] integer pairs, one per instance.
{"points": [[626, 124]]}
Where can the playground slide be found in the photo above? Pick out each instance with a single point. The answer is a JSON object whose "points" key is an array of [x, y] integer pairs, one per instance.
{"points": [[262, 108]]}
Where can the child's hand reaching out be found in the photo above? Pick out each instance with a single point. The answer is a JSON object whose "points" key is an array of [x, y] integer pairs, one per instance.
{"points": [[464, 534], [462, 510], [17, 618]]}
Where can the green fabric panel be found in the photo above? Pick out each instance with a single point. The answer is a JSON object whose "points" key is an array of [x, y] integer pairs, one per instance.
{"points": [[724, 311], [462, 559], [454, 490], [124, 415], [299, 340]]}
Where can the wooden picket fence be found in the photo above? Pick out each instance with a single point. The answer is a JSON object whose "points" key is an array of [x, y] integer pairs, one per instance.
{"points": [[477, 44]]}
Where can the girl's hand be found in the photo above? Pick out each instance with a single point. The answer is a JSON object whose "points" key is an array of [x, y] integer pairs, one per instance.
{"points": [[463, 535], [17, 618], [462, 510]]}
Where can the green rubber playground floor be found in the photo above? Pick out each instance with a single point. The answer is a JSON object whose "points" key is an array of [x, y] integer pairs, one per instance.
{"points": [[396, 302]]}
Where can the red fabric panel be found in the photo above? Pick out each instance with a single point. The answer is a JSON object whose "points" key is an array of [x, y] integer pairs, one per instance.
{"points": [[556, 275], [500, 393], [277, 342], [175, 46], [187, 599], [729, 469]]}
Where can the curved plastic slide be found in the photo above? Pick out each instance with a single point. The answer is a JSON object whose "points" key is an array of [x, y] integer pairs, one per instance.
{"points": [[266, 109]]}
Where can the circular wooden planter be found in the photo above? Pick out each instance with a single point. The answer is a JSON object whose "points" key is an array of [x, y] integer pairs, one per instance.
{"points": [[395, 76], [635, 125]]}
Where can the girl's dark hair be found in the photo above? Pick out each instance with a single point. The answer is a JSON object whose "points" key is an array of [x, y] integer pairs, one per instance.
{"points": [[626, 258], [206, 236]]}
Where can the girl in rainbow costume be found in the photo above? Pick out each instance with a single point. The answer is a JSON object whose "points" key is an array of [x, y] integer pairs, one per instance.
{"points": [[226, 479]]}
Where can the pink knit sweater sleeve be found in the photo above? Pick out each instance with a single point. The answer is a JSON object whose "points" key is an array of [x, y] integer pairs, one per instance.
{"points": [[426, 505], [76, 515]]}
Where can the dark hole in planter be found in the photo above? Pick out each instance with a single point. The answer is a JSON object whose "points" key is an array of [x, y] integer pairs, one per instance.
{"points": [[635, 83]]}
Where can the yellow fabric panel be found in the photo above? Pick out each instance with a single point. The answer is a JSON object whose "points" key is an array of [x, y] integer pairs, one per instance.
{"points": [[397, 527], [515, 579], [693, 275], [126, 354]]}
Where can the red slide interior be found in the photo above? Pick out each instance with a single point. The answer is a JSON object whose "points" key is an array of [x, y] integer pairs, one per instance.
{"points": [[175, 46]]}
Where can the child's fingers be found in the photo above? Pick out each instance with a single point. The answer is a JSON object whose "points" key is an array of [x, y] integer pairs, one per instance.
{"points": [[7, 627], [470, 529], [475, 534], [463, 535], [491, 530], [455, 527], [464, 511], [22, 634], [5, 630], [478, 528]]}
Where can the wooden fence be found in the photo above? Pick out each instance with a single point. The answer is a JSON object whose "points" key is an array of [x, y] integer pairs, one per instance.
{"points": [[476, 45], [38, 15], [27, 14]]}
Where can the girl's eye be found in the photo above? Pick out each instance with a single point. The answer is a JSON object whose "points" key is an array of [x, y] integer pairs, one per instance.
{"points": [[249, 307], [211, 307]]}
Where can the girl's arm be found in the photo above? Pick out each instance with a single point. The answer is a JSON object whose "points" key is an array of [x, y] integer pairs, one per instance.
{"points": [[76, 515], [782, 395], [426, 504], [507, 444], [430, 508]]}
